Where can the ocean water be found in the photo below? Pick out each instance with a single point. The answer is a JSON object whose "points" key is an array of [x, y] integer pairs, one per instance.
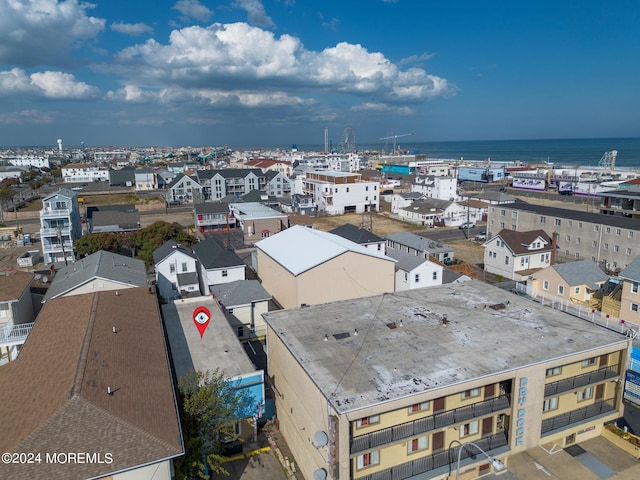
{"points": [[560, 152]]}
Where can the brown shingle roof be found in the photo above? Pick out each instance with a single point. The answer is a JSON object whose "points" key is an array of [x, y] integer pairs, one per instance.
{"points": [[12, 284], [54, 398], [519, 242]]}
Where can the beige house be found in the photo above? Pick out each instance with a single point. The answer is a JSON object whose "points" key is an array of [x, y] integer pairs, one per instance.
{"points": [[301, 266], [577, 281], [371, 387], [630, 295], [257, 221]]}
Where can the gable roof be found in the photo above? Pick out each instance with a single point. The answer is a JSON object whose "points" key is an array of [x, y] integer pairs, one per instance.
{"points": [[406, 261], [356, 234], [299, 249], [581, 272], [418, 242], [169, 248], [65, 192], [239, 292], [69, 359], [212, 207], [632, 271], [113, 267], [12, 284], [517, 241], [212, 254]]}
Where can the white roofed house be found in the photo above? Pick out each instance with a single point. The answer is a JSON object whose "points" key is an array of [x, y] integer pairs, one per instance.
{"points": [[518, 255], [337, 193], [431, 211], [404, 199], [81, 172], [186, 189], [303, 266], [257, 221], [433, 186], [177, 271]]}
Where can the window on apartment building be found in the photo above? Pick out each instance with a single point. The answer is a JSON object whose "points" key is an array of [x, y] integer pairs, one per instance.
{"points": [[368, 459], [435, 276], [506, 260], [616, 248], [184, 267], [570, 224], [585, 394], [545, 284], [240, 331], [550, 404], [514, 226], [543, 219], [579, 224], [634, 307], [560, 290], [605, 246], [474, 392], [375, 197], [419, 407], [557, 222], [596, 228], [417, 278], [495, 254], [514, 214], [594, 244], [347, 189], [172, 268], [225, 273], [470, 428], [617, 232], [630, 234], [589, 362], [503, 212], [501, 225], [416, 444], [578, 240], [552, 372], [634, 287], [577, 290], [363, 422], [628, 251], [568, 238], [366, 188]]}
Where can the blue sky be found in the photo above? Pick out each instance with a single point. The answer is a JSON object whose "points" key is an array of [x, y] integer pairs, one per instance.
{"points": [[277, 72]]}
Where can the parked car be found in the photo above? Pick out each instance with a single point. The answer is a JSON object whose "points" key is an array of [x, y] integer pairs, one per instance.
{"points": [[468, 225], [482, 235]]}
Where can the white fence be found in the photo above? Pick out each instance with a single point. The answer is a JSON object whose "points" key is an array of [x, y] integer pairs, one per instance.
{"points": [[589, 314]]}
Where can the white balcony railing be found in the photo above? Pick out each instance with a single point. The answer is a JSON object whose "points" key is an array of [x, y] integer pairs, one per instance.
{"points": [[55, 213], [14, 334], [49, 232]]}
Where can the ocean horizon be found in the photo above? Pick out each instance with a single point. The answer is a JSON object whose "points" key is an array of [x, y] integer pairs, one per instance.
{"points": [[565, 152]]}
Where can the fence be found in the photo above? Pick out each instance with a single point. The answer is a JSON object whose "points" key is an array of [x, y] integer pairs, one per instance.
{"points": [[589, 314]]}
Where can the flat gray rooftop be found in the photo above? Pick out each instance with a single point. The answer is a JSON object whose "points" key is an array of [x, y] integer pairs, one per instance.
{"points": [[218, 348], [489, 331]]}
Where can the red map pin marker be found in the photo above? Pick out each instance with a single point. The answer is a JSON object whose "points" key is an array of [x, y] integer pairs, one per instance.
{"points": [[201, 317]]}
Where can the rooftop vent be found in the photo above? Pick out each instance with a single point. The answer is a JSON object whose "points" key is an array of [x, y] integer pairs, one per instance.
{"points": [[445, 321], [340, 336], [498, 306], [392, 325]]}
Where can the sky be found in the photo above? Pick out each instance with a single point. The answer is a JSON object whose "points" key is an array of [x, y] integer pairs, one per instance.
{"points": [[280, 72]]}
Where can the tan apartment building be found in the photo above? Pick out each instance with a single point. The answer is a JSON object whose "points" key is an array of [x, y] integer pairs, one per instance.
{"points": [[630, 292], [302, 266], [398, 385], [611, 241]]}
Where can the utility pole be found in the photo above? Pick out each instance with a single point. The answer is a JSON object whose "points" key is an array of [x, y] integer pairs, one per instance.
{"points": [[62, 243]]}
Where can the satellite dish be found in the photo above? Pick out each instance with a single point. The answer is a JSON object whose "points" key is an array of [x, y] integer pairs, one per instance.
{"points": [[45, 279], [37, 277], [320, 474], [321, 438]]}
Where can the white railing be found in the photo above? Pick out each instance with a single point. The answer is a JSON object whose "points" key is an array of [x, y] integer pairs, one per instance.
{"points": [[66, 231], [55, 212], [587, 313], [15, 334]]}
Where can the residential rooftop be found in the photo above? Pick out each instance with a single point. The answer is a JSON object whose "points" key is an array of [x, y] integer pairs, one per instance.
{"points": [[402, 348], [255, 210]]}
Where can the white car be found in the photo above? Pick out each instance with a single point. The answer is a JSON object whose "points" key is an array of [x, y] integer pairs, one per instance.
{"points": [[467, 225]]}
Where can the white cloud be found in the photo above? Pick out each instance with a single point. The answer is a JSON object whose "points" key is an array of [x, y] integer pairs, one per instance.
{"points": [[383, 108], [416, 59], [242, 57], [27, 117], [133, 29], [53, 85], [44, 31], [256, 14], [193, 9]]}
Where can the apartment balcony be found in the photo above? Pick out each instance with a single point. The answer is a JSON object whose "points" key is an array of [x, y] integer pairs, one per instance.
{"points": [[578, 416], [426, 424], [57, 248], [14, 334], [53, 232], [441, 461], [55, 212], [579, 381]]}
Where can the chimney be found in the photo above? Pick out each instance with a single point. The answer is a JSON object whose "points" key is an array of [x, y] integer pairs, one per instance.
{"points": [[554, 246]]}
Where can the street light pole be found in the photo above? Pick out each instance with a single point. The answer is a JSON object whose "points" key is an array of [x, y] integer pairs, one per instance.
{"points": [[497, 465]]}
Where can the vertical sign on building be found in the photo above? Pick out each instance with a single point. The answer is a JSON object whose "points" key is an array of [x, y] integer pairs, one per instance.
{"points": [[522, 412]]}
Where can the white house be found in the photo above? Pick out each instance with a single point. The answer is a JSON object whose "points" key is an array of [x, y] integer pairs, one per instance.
{"points": [[243, 302], [405, 199], [217, 264], [28, 161], [145, 179], [517, 255], [59, 226], [337, 193], [176, 271], [184, 188], [415, 271], [80, 172], [362, 237], [433, 186], [16, 313], [432, 211]]}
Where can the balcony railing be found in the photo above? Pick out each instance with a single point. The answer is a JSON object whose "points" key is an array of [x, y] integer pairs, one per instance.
{"points": [[581, 380], [57, 247], [15, 334], [65, 231], [438, 460], [55, 212], [577, 416], [426, 424]]}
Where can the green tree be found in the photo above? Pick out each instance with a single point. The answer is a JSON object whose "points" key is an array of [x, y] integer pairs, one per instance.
{"points": [[88, 244], [148, 239], [208, 406]]}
